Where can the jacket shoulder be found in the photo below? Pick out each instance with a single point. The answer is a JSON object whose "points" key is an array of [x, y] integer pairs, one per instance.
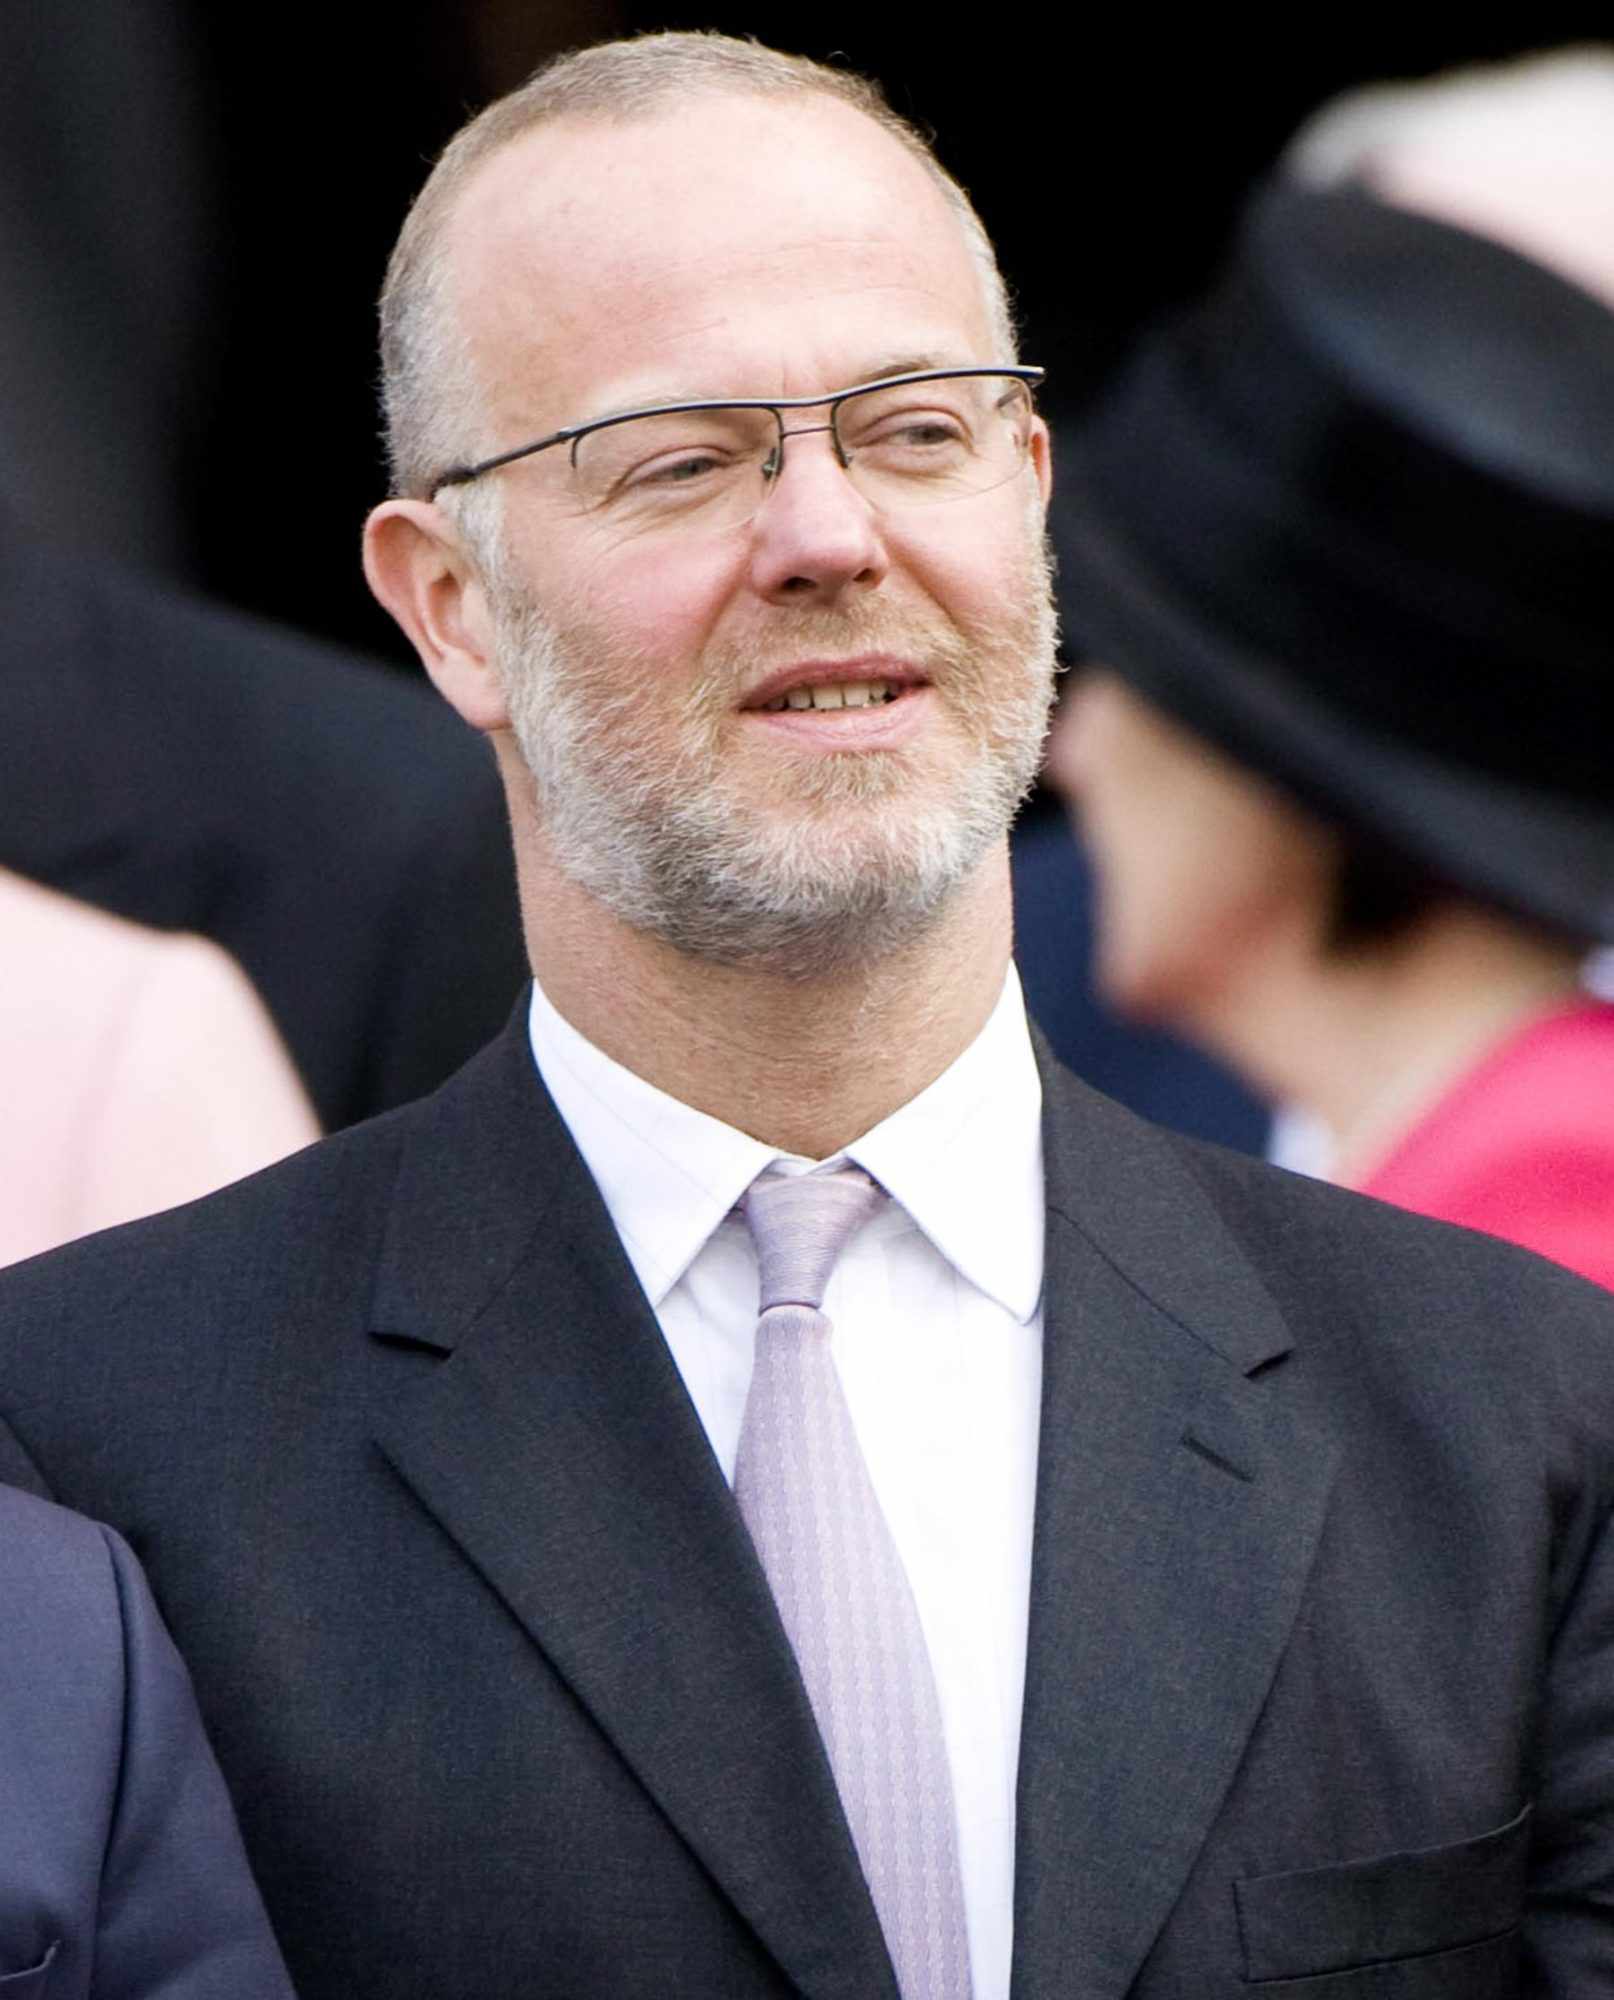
{"points": [[310, 1197], [1365, 1291], [51, 1557]]}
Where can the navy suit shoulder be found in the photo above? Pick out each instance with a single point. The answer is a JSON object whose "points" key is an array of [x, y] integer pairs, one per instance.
{"points": [[121, 1871], [324, 819]]}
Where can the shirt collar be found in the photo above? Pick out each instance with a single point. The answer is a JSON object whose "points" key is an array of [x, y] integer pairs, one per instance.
{"points": [[963, 1158]]}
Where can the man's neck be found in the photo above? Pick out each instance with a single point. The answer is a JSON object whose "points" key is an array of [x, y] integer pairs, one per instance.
{"points": [[806, 1066]]}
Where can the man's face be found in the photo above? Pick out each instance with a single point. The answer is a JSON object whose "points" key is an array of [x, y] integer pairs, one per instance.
{"points": [[750, 247]]}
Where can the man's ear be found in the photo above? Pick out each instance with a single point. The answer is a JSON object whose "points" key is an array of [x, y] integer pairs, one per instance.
{"points": [[1042, 457], [418, 569]]}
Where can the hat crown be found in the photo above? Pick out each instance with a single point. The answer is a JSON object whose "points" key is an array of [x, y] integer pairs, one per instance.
{"points": [[1352, 519], [1449, 337]]}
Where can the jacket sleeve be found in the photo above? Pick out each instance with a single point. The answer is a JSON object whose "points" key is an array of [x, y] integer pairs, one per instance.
{"points": [[180, 1917]]}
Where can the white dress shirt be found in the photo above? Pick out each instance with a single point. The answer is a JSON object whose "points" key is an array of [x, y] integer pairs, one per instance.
{"points": [[936, 1307]]}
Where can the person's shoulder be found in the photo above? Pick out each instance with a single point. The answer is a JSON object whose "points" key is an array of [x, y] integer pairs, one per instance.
{"points": [[84, 964], [165, 660], [273, 1231], [117, 1346], [66, 1581], [1369, 1284], [304, 1228], [1331, 1228], [1402, 1304], [143, 1350], [49, 1549], [296, 686]]}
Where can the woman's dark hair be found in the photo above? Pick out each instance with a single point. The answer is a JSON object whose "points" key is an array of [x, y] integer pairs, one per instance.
{"points": [[1379, 895]]}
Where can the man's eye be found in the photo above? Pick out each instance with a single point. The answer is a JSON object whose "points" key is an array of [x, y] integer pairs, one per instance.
{"points": [[933, 430], [687, 469], [681, 471], [657, 469], [927, 432]]}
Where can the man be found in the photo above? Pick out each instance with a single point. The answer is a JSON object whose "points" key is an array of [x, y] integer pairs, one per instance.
{"points": [[121, 1871], [1230, 1549]]}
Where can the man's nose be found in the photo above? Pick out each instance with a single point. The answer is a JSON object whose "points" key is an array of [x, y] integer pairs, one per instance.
{"points": [[815, 534]]}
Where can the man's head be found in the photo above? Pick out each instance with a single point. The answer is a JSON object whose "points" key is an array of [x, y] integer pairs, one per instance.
{"points": [[431, 399], [683, 219]]}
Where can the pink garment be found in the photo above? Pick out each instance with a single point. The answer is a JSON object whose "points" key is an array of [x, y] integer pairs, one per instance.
{"points": [[137, 1069], [1523, 1145]]}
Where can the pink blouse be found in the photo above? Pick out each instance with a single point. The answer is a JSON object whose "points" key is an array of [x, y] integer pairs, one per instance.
{"points": [[1523, 1145], [137, 1069]]}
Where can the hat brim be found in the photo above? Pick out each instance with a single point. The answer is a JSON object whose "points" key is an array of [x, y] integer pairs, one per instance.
{"points": [[1547, 860]]}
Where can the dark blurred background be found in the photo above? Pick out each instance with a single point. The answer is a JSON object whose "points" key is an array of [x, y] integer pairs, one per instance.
{"points": [[196, 203]]}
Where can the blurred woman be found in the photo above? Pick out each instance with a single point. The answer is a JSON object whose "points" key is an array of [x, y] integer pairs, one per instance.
{"points": [[1343, 543]]}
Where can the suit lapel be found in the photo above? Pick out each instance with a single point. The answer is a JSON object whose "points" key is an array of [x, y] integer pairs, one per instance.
{"points": [[1178, 1507], [555, 1444]]}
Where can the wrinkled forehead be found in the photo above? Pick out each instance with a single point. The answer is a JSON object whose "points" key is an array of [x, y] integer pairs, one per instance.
{"points": [[593, 249]]}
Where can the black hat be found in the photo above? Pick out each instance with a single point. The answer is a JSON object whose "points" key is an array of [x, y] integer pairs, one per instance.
{"points": [[1352, 520]]}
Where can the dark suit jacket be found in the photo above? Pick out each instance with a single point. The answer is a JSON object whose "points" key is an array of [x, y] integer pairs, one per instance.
{"points": [[121, 1871], [333, 826], [1321, 1670]]}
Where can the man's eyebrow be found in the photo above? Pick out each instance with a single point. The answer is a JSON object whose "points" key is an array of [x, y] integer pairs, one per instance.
{"points": [[901, 364], [906, 364]]}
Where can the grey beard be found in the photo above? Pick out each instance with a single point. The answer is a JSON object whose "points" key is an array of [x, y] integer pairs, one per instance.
{"points": [[669, 853]]}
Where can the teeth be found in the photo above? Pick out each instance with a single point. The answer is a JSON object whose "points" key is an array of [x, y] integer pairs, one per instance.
{"points": [[837, 694]]}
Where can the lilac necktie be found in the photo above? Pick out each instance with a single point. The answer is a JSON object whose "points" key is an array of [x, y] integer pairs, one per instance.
{"points": [[843, 1596]]}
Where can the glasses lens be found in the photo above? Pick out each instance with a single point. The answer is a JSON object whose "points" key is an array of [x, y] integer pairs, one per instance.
{"points": [[903, 445], [921, 442], [695, 465]]}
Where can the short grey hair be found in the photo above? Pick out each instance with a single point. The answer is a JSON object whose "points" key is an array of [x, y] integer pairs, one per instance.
{"points": [[430, 395]]}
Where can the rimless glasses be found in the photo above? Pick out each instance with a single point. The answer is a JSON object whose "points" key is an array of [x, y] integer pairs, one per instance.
{"points": [[905, 440]]}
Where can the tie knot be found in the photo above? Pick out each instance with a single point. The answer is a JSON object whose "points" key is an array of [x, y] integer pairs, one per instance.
{"points": [[800, 1224]]}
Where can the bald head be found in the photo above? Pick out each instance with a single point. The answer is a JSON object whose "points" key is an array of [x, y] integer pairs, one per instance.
{"points": [[434, 389]]}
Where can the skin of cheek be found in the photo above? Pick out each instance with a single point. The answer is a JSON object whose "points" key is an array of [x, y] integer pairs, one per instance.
{"points": [[670, 599], [653, 601], [1194, 862]]}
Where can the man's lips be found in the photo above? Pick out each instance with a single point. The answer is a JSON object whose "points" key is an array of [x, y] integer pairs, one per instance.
{"points": [[892, 678], [891, 702]]}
